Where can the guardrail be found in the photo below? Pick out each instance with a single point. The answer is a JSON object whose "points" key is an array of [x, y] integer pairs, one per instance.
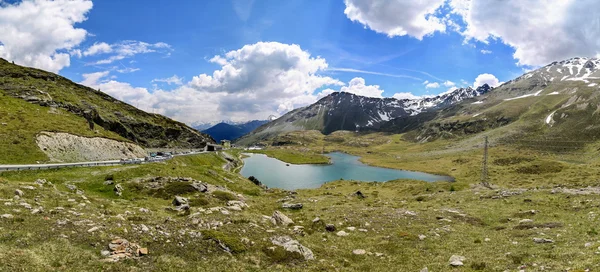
{"points": [[85, 164]]}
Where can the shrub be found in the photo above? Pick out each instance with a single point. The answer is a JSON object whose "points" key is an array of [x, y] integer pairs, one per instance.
{"points": [[200, 201], [255, 180]]}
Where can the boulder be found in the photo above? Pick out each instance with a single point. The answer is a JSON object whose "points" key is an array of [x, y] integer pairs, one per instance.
{"points": [[330, 227], [456, 260], [178, 201], [200, 187], [118, 190], [291, 245], [292, 206], [279, 218]]}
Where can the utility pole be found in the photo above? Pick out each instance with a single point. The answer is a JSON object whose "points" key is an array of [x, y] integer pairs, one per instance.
{"points": [[484, 168]]}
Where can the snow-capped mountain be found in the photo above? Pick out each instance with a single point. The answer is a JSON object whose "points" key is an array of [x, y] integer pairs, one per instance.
{"points": [[346, 111]]}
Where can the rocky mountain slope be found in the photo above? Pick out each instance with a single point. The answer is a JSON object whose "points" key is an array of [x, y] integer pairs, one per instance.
{"points": [[60, 105], [346, 111], [227, 131], [560, 100]]}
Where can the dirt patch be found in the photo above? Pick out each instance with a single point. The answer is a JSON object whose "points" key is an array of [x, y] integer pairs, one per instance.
{"points": [[65, 147]]}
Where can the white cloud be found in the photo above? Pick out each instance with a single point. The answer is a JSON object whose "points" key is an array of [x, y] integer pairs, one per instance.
{"points": [[402, 96], [351, 70], [127, 70], [98, 48], [432, 85], [42, 33], [357, 86], [425, 82], [170, 80], [126, 49], [539, 35], [485, 52], [486, 78], [253, 82], [449, 83], [397, 18]]}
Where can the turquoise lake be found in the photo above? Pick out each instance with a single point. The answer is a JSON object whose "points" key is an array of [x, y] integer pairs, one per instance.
{"points": [[277, 174]]}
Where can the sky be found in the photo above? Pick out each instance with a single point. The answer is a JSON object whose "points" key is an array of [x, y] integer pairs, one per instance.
{"points": [[236, 60]]}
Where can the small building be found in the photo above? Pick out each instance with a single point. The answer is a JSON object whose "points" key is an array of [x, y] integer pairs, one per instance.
{"points": [[226, 143], [213, 147]]}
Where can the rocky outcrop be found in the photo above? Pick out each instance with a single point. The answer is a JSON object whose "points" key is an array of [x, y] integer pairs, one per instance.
{"points": [[65, 147], [291, 245]]}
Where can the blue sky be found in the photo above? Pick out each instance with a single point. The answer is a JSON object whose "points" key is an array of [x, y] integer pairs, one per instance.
{"points": [[159, 55]]}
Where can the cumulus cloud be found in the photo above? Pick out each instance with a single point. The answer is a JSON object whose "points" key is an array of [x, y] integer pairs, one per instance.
{"points": [[98, 48], [539, 36], [357, 86], [42, 33], [432, 85], [253, 82], [402, 96], [397, 18], [486, 78], [170, 80]]}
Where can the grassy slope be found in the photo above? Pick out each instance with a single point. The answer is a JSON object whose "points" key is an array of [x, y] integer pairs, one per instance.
{"points": [[24, 121]]}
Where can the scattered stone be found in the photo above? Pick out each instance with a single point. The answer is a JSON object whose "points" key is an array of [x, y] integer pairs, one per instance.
{"points": [[351, 228], [144, 210], [25, 205], [234, 208], [109, 182], [359, 252], [363, 230], [543, 241], [28, 187], [200, 187], [36, 211], [487, 239], [18, 193], [456, 260], [71, 187], [237, 203], [588, 244], [7, 216], [422, 237], [359, 194], [40, 182], [378, 254], [178, 201], [120, 249], [425, 269], [330, 227], [291, 245], [316, 220], [279, 218], [118, 190], [342, 233], [525, 221], [93, 229], [145, 228], [292, 206]]}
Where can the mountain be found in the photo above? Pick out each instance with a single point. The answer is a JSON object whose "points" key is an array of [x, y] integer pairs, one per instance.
{"points": [[34, 102], [225, 131], [559, 101], [346, 111]]}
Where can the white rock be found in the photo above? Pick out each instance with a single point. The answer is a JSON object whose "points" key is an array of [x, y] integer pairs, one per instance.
{"points": [[351, 228], [362, 230], [18, 192], [93, 229], [523, 221], [7, 216], [144, 210], [293, 246], [359, 252], [422, 237], [316, 220], [456, 260], [279, 218], [487, 239], [425, 269], [342, 233], [145, 228]]}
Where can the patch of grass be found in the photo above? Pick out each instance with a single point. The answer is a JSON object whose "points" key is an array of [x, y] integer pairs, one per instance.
{"points": [[231, 242], [544, 167], [278, 255], [225, 196]]}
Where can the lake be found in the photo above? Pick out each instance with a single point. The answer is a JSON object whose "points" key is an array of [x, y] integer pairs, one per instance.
{"points": [[276, 174]]}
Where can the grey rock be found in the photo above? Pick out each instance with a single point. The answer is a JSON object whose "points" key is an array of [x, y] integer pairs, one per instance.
{"points": [[543, 241], [178, 201], [292, 206], [359, 252], [279, 218], [316, 220], [18, 193], [71, 187], [330, 227], [291, 245], [118, 190], [456, 260], [200, 187], [7, 216], [342, 233]]}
